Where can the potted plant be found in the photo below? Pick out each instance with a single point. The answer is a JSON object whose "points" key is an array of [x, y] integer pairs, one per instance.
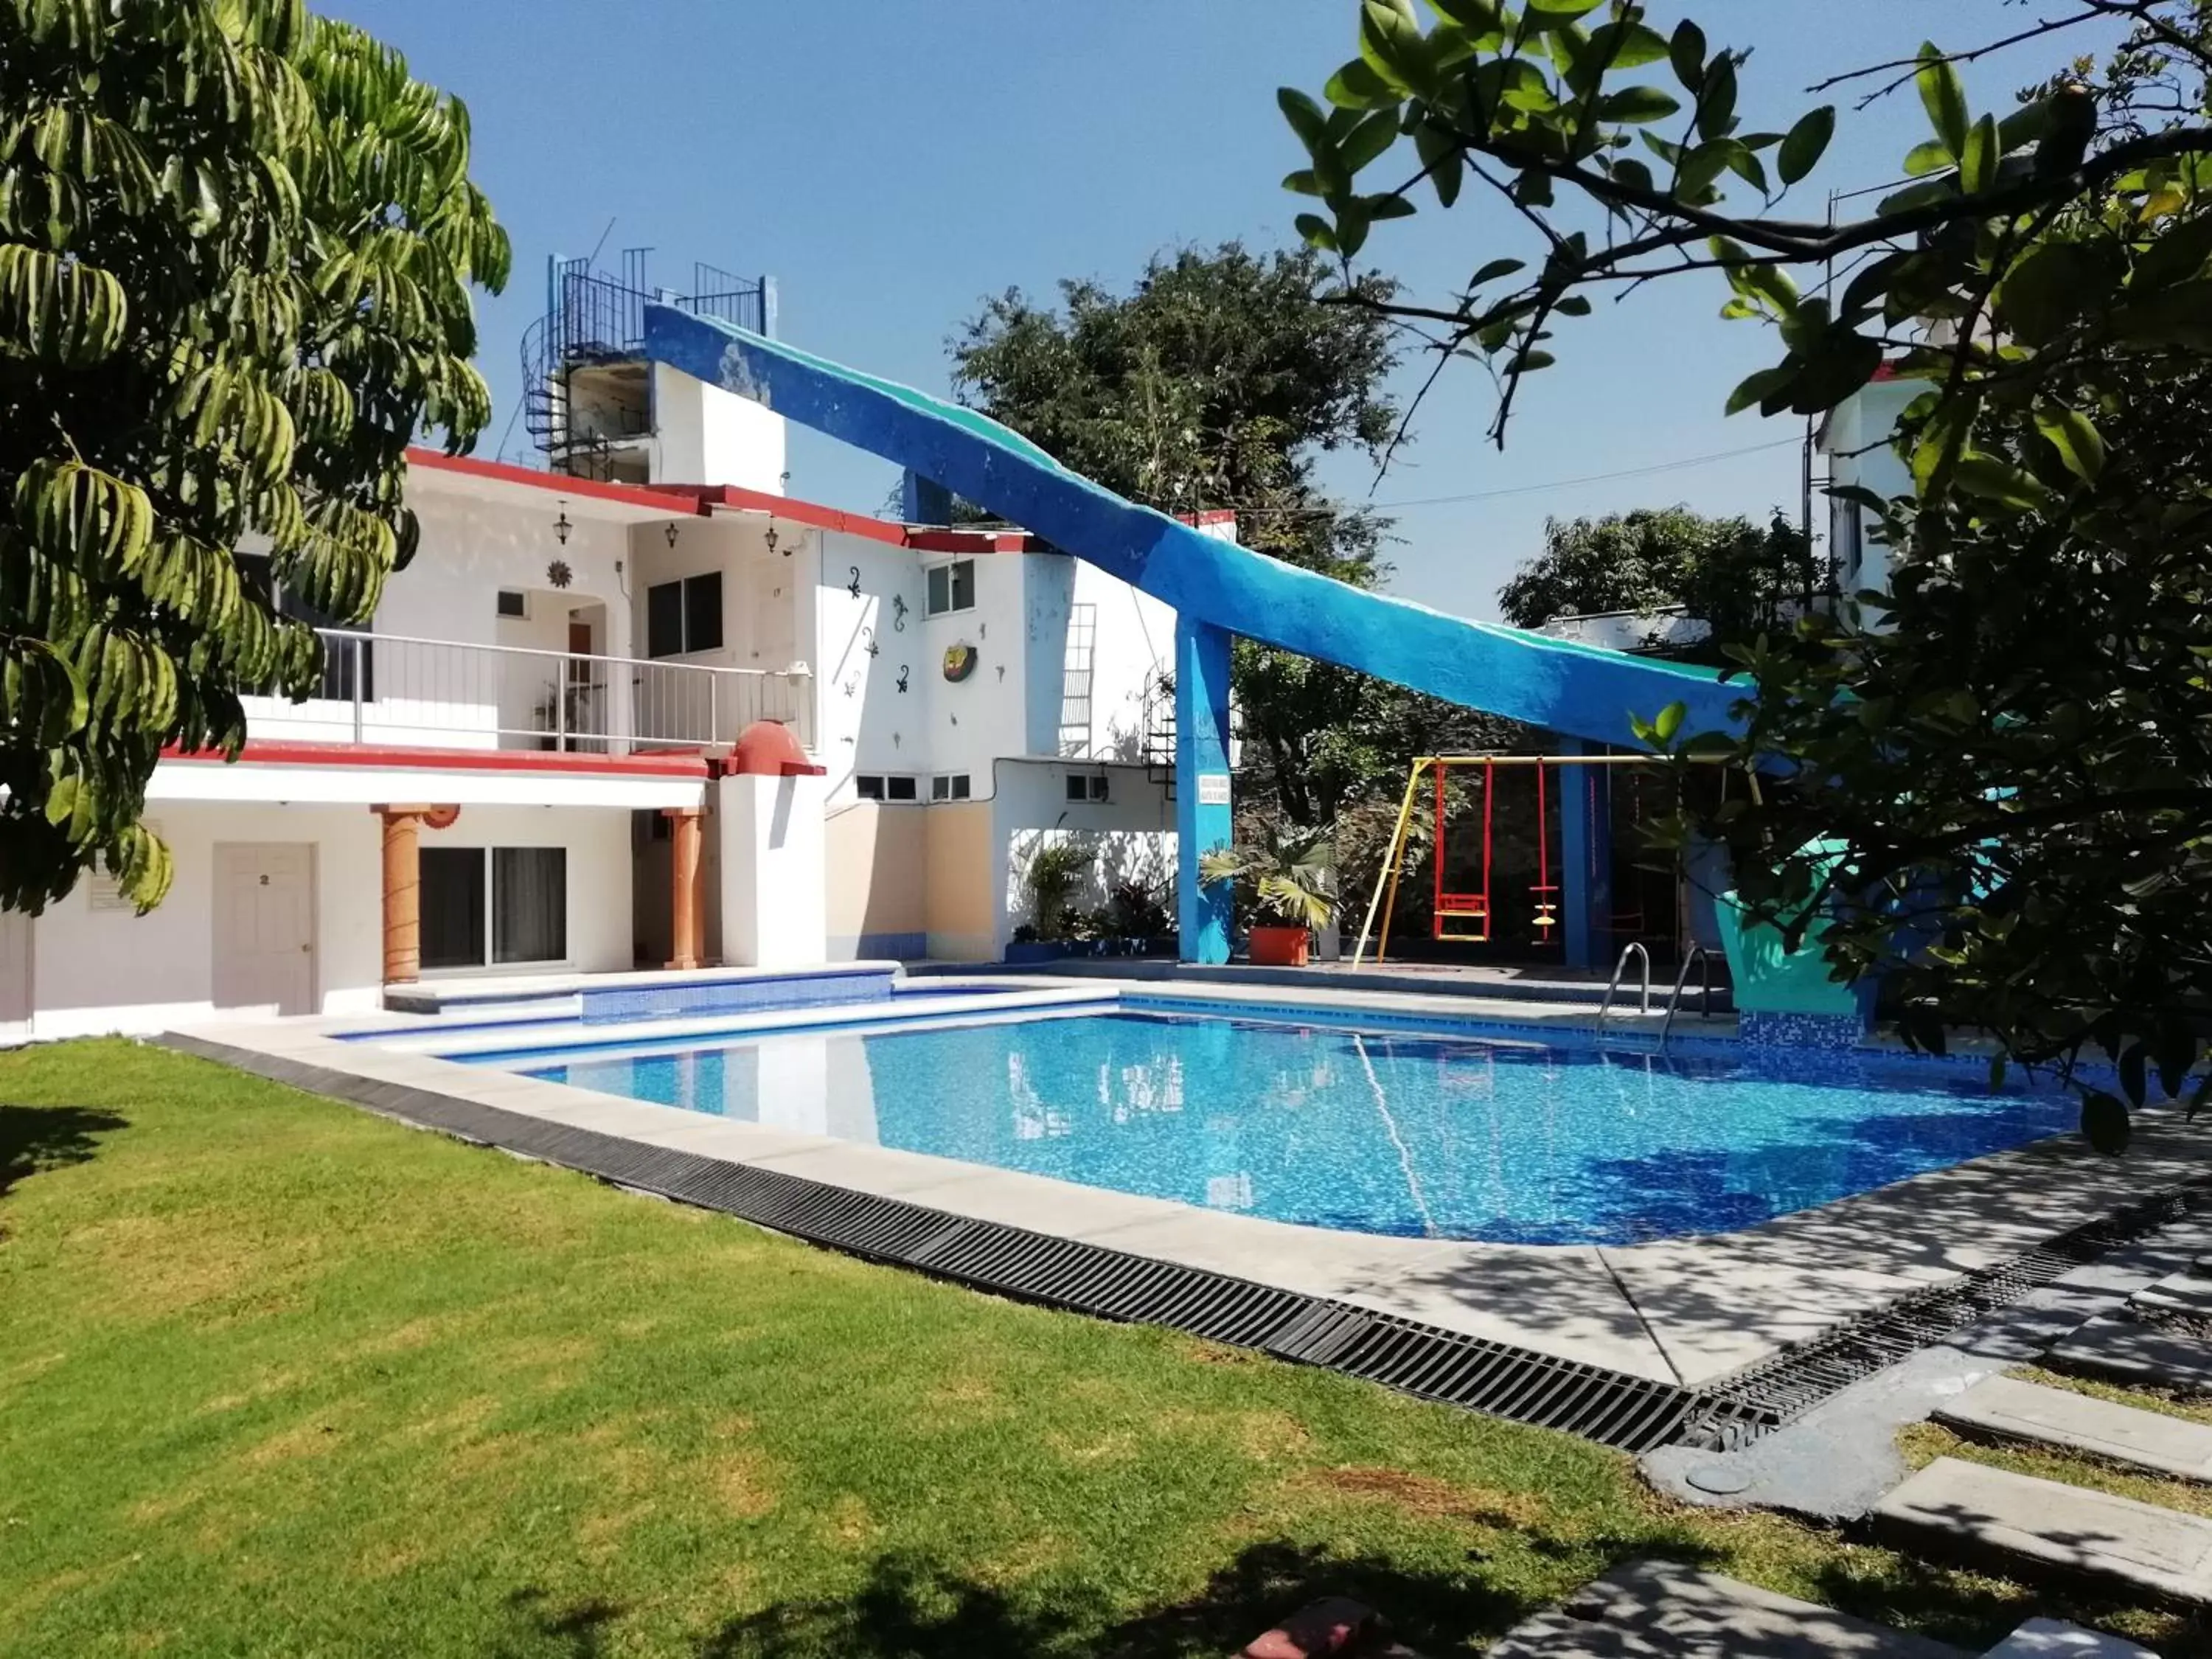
{"points": [[1294, 873]]}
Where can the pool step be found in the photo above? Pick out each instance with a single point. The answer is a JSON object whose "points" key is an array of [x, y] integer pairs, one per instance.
{"points": [[2183, 1296], [2005, 1408], [2020, 1524], [2133, 1353], [2053, 1638], [1663, 1610]]}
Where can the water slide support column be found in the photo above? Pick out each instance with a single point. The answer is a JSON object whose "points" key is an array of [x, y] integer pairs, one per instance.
{"points": [[1203, 820]]}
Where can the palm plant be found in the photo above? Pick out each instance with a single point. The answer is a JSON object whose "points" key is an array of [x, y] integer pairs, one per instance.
{"points": [[1293, 871]]}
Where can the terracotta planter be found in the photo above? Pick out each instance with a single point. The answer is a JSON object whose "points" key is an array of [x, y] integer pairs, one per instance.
{"points": [[1279, 947]]}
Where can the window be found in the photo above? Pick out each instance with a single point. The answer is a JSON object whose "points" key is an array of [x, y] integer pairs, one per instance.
{"points": [[683, 616], [1082, 788], [949, 785], [877, 785], [952, 586], [513, 602], [349, 666], [526, 920]]}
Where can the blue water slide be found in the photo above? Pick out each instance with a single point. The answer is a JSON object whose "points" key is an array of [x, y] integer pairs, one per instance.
{"points": [[1580, 692], [1218, 590]]}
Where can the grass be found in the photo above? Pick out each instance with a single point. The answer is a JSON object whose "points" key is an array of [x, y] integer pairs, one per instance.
{"points": [[279, 1377]]}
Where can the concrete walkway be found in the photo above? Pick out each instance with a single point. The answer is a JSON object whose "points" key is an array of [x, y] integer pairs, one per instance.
{"points": [[1992, 1516], [2141, 1355], [2006, 1409]]}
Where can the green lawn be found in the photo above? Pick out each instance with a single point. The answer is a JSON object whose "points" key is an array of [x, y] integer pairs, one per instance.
{"points": [[278, 1377]]}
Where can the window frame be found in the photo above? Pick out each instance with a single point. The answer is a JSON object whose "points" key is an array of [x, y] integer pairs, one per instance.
{"points": [[487, 956], [690, 610], [1088, 789], [954, 572], [945, 787]]}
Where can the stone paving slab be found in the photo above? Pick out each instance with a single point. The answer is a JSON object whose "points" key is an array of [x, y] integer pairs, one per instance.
{"points": [[2052, 1638], [1663, 1610], [2009, 1409], [2141, 1354], [1995, 1517], [2186, 1294]]}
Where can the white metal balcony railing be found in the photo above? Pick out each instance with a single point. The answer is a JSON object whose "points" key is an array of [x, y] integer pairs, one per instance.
{"points": [[392, 689]]}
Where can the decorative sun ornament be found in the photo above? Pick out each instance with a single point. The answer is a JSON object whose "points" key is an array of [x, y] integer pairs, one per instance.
{"points": [[959, 662]]}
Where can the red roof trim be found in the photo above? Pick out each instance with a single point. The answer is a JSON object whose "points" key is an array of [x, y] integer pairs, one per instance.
{"points": [[679, 764], [672, 502], [974, 541], [736, 499]]}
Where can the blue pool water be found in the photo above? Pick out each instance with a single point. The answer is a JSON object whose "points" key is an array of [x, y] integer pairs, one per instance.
{"points": [[1374, 1131]]}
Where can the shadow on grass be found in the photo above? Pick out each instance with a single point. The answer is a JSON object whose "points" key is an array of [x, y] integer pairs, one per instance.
{"points": [[912, 1608], [575, 1631], [36, 1137]]}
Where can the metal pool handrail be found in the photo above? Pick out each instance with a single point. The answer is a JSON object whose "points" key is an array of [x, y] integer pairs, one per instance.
{"points": [[1633, 948], [1704, 959]]}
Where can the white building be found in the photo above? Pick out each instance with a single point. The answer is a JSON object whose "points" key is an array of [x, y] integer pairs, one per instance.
{"points": [[523, 764], [1855, 438]]}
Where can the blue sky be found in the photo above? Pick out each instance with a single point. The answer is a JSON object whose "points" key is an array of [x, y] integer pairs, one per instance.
{"points": [[892, 161]]}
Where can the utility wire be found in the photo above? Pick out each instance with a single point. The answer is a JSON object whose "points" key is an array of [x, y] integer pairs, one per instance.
{"points": [[1534, 489]]}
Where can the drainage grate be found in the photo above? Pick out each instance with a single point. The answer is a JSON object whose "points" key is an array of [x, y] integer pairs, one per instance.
{"points": [[1613, 1408], [1772, 1392]]}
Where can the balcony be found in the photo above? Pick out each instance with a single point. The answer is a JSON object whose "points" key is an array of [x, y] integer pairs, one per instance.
{"points": [[392, 691]]}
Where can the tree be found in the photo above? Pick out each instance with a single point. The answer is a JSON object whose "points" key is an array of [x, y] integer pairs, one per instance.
{"points": [[1999, 802], [1216, 383], [1736, 577], [236, 245]]}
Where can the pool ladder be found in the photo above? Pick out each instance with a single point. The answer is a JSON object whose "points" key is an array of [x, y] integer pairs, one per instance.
{"points": [[1698, 957]]}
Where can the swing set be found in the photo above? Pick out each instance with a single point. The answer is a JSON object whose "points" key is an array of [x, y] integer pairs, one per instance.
{"points": [[1467, 917]]}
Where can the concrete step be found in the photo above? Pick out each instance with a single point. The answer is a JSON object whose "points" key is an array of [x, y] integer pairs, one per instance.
{"points": [[2188, 1295], [1663, 1610], [2017, 1523], [2140, 1354], [2051, 1638], [2008, 1409]]}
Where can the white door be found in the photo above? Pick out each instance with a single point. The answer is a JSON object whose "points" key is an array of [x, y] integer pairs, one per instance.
{"points": [[265, 927], [14, 976]]}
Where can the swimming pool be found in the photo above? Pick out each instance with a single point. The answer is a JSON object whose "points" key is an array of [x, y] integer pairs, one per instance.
{"points": [[1550, 1140]]}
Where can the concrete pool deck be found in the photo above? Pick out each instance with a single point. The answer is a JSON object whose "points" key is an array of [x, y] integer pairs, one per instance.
{"points": [[1689, 1310]]}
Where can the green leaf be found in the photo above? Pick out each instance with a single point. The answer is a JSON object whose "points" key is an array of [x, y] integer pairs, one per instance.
{"points": [[1996, 480], [1717, 99], [2178, 316], [1555, 14], [2024, 126], [1307, 119], [1686, 49], [1392, 44], [1919, 195], [1758, 388], [2057, 282], [1669, 721], [1637, 105], [1368, 140], [1444, 160], [2075, 438], [2105, 1123], [1978, 162], [1302, 182], [1932, 156], [1358, 87], [1627, 46], [1943, 95], [1807, 142], [1317, 231], [1497, 268], [2174, 256], [1481, 19]]}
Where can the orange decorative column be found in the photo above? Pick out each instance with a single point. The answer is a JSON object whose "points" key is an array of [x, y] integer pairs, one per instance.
{"points": [[683, 885], [402, 886]]}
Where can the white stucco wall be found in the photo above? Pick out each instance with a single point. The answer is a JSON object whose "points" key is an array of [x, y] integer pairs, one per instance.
{"points": [[1855, 440], [1135, 646], [773, 898], [865, 722], [433, 695], [98, 970], [1130, 836], [705, 435]]}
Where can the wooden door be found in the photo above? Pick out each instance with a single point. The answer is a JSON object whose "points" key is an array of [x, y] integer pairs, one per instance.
{"points": [[265, 927]]}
